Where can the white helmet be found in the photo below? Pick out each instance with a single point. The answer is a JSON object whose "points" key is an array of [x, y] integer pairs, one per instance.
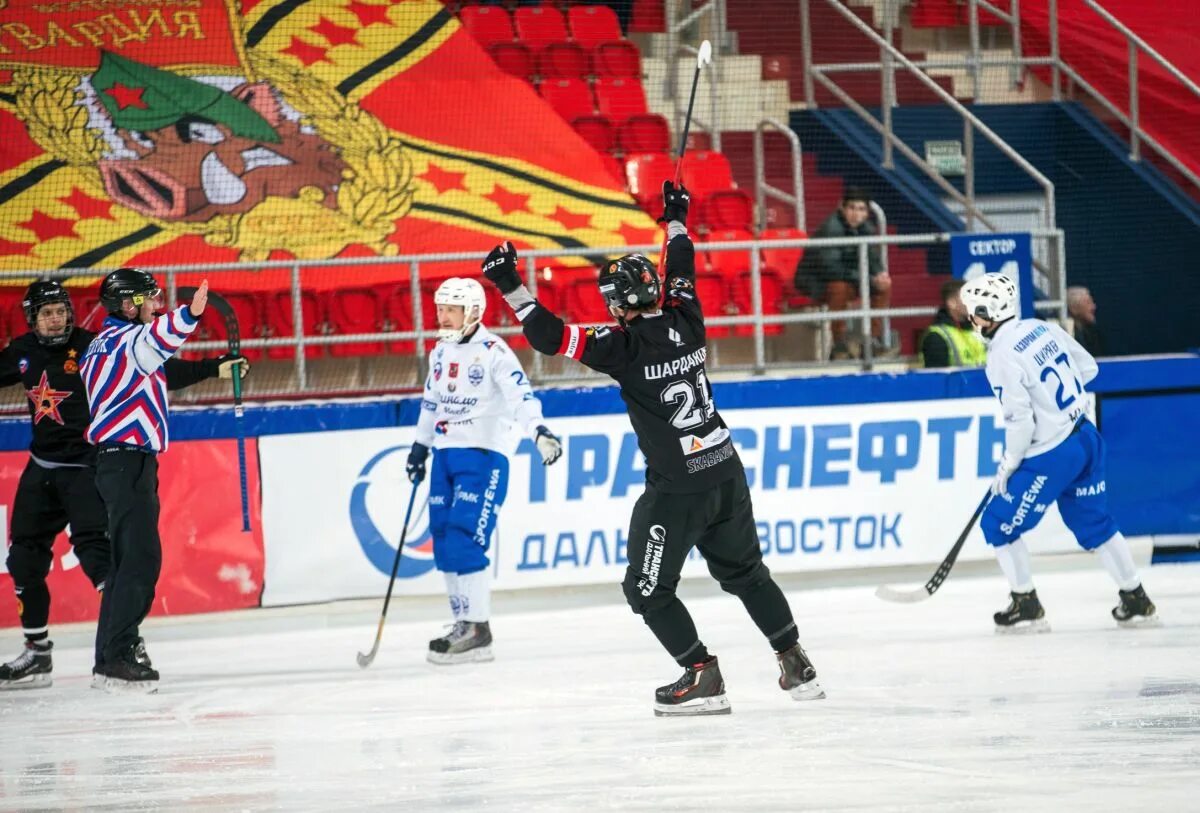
{"points": [[465, 292], [990, 296]]}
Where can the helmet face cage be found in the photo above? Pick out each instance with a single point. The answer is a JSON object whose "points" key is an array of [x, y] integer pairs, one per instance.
{"points": [[467, 294], [48, 293]]}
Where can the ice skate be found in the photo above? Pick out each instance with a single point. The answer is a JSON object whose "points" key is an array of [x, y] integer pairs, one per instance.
{"points": [[128, 674], [1024, 614], [700, 690], [466, 642], [29, 670], [1136, 609], [797, 676]]}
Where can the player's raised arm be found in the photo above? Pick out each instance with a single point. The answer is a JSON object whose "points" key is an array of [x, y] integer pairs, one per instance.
{"points": [[602, 349]]}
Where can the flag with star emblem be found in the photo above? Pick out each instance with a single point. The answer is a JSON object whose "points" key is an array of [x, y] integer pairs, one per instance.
{"points": [[146, 134]]}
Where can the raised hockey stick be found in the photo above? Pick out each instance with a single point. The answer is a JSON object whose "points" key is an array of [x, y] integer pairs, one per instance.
{"points": [[234, 337], [912, 596], [703, 57], [365, 659]]}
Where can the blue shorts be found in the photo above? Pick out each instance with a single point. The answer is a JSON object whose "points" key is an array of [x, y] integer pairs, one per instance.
{"points": [[1072, 473], [466, 489]]}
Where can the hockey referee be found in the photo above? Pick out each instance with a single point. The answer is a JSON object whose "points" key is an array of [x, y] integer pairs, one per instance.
{"points": [[127, 393]]}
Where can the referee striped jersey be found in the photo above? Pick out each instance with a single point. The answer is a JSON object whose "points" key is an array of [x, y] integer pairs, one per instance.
{"points": [[126, 385]]}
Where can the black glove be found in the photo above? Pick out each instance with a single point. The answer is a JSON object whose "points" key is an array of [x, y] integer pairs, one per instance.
{"points": [[676, 200], [501, 268], [415, 468], [549, 446], [223, 366]]}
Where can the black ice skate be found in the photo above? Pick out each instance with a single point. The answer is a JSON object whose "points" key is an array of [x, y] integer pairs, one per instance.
{"points": [[100, 681], [127, 673], [797, 676], [466, 642], [701, 690], [1024, 614], [29, 670], [1136, 609]]}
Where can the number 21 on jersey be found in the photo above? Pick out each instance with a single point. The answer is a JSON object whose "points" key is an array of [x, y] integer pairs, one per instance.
{"points": [[694, 403]]}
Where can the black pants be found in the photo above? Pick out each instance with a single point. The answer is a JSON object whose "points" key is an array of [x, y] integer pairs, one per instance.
{"points": [[128, 482], [663, 530], [47, 500]]}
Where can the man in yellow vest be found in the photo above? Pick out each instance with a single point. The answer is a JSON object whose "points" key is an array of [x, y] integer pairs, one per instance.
{"points": [[950, 340]]}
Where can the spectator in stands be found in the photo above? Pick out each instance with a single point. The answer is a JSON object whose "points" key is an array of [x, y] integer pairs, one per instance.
{"points": [[951, 341], [1082, 310], [830, 275]]}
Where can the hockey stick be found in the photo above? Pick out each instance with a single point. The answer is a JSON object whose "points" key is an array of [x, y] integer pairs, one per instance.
{"points": [[234, 336], [912, 596], [365, 660], [703, 57]]}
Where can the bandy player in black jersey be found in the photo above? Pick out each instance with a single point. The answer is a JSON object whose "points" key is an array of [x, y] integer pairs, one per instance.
{"points": [[696, 493]]}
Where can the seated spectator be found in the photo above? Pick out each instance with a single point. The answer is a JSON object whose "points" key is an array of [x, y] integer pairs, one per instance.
{"points": [[830, 275], [1082, 310], [950, 340]]}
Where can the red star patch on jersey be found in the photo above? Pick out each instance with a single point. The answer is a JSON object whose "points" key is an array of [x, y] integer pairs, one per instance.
{"points": [[46, 401]]}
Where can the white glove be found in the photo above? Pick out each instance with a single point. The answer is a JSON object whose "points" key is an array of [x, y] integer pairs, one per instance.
{"points": [[549, 446], [1000, 482]]}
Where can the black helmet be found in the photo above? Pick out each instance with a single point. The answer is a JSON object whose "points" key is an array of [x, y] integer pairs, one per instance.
{"points": [[45, 293], [126, 283], [629, 282]]}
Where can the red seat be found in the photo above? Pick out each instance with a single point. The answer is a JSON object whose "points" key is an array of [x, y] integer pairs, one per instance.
{"points": [[12, 315], [618, 58], [615, 168], [649, 17], [488, 24], [726, 209], [597, 131], [705, 172], [551, 293], [713, 292], [539, 26], [563, 60], [398, 316], [569, 97], [356, 310], [645, 133], [728, 263], [619, 98], [585, 306], [782, 260], [645, 173], [513, 58], [592, 25], [279, 322], [251, 321], [772, 300]]}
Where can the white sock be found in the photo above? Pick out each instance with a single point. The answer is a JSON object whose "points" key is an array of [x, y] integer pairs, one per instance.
{"points": [[1118, 561], [476, 591], [1017, 565], [454, 593]]}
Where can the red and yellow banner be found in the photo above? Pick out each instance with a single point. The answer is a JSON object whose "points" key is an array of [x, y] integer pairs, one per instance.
{"points": [[159, 132]]}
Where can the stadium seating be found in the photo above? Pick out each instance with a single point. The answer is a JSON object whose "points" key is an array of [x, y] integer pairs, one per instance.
{"points": [[617, 59], [597, 131], [513, 58], [728, 263], [279, 322], [570, 98], [772, 300], [620, 98], [644, 133], [645, 173], [725, 209], [355, 310], [705, 172], [539, 26], [563, 60], [488, 24], [713, 292], [593, 25]]}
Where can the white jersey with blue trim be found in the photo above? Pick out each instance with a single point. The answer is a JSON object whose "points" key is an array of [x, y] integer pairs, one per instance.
{"points": [[123, 374], [475, 393], [1038, 371]]}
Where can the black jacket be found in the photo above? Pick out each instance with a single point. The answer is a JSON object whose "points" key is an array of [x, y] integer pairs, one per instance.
{"points": [[57, 399], [836, 262], [1089, 336]]}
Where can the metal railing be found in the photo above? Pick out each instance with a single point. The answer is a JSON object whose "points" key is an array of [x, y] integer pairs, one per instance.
{"points": [[764, 190], [756, 361]]}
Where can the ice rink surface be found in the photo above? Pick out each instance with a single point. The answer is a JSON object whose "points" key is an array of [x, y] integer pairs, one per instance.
{"points": [[927, 710]]}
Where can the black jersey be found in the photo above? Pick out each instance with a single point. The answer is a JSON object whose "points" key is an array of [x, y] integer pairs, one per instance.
{"points": [[58, 404], [659, 362]]}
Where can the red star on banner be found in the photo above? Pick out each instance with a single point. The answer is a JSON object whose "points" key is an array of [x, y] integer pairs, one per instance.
{"points": [[126, 96], [634, 236], [508, 201], [12, 247], [47, 227], [306, 52], [46, 401], [442, 180], [368, 13], [86, 206], [571, 221], [336, 34]]}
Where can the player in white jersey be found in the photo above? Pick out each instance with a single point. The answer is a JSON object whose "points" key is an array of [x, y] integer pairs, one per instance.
{"points": [[474, 394], [1052, 452]]}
